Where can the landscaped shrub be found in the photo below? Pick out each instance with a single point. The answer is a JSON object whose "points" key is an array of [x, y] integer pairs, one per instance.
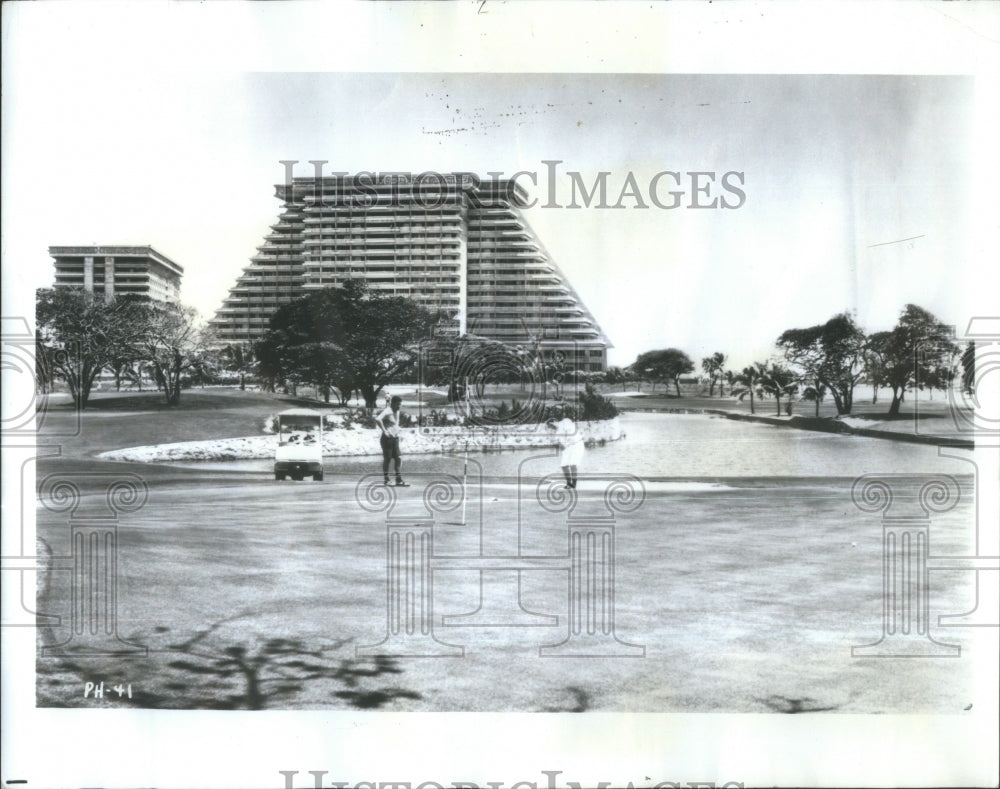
{"points": [[359, 417], [594, 406]]}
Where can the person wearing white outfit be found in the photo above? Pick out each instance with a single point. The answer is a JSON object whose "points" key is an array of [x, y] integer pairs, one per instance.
{"points": [[571, 442]]}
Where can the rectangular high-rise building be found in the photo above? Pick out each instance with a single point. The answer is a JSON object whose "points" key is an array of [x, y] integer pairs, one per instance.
{"points": [[453, 243], [118, 271]]}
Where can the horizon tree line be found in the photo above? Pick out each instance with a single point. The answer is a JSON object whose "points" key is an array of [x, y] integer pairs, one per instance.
{"points": [[348, 339], [830, 359]]}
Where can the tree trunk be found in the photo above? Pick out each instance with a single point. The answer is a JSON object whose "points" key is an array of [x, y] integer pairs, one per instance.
{"points": [[751, 401], [677, 386], [777, 401], [897, 398], [838, 401], [817, 408], [874, 395], [370, 394]]}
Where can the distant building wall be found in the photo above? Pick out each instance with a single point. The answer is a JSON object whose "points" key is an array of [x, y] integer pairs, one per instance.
{"points": [[118, 271], [451, 243]]}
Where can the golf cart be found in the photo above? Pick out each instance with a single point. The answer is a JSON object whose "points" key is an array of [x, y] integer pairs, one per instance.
{"points": [[300, 444]]}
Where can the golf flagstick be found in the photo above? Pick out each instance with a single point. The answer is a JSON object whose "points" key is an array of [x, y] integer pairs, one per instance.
{"points": [[465, 488], [465, 482]]}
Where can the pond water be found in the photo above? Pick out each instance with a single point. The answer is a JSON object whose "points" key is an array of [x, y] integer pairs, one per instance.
{"points": [[681, 446]]}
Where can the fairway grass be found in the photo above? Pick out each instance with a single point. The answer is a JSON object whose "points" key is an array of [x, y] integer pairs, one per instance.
{"points": [[743, 594], [744, 600]]}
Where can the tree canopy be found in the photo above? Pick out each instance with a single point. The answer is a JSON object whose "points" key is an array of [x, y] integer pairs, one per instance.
{"points": [[918, 351], [171, 343], [664, 365], [80, 334], [713, 366], [344, 338], [830, 354]]}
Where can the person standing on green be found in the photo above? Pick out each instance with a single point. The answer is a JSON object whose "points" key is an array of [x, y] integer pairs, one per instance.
{"points": [[388, 425]]}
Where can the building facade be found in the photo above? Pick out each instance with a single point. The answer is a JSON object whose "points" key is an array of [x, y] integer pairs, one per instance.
{"points": [[118, 271], [453, 243]]}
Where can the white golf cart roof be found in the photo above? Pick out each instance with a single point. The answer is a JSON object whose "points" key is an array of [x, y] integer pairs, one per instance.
{"points": [[300, 412]]}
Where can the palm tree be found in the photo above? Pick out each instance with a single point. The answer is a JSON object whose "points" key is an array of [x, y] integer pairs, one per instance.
{"points": [[239, 359], [712, 366], [779, 380], [816, 393], [730, 377], [749, 382]]}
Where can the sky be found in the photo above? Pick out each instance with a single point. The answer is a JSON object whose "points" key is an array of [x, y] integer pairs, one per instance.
{"points": [[858, 189]]}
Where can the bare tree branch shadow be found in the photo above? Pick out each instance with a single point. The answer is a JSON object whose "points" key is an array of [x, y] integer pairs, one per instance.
{"points": [[212, 671]]}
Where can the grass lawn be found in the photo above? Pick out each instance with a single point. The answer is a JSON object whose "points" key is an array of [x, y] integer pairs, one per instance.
{"points": [[250, 593], [745, 600]]}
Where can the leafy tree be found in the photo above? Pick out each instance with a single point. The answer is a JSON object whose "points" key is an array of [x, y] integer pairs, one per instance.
{"points": [[346, 338], [304, 346], [831, 354], [616, 375], [172, 344], [239, 359], [918, 350], [594, 406], [664, 365], [80, 334], [712, 366]]}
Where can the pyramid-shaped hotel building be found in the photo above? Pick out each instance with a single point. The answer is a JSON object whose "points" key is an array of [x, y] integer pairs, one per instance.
{"points": [[452, 242]]}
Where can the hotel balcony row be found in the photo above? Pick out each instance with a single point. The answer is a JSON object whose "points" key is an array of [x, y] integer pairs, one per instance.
{"points": [[399, 225], [338, 209], [383, 253], [397, 247]]}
